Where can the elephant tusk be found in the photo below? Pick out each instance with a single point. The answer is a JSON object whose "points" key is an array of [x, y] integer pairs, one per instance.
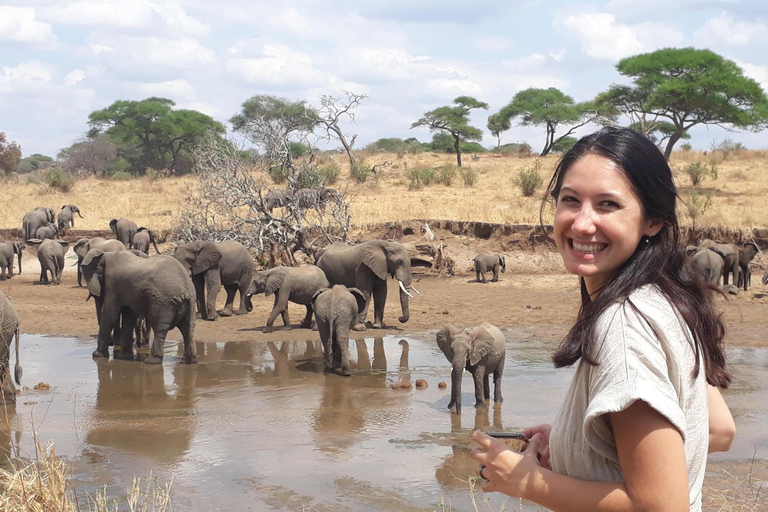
{"points": [[402, 287], [414, 289]]}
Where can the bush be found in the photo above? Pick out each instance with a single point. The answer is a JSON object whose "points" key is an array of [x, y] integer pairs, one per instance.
{"points": [[119, 165], [308, 177], [359, 172], [529, 179], [686, 146], [58, 179], [521, 148], [468, 176], [698, 172], [446, 174], [698, 204], [395, 145], [329, 172], [122, 176], [419, 177]]}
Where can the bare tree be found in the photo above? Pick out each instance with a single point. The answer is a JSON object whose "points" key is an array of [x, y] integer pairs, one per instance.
{"points": [[332, 110]]}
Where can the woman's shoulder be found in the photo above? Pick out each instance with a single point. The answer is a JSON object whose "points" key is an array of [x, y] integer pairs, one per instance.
{"points": [[646, 303]]}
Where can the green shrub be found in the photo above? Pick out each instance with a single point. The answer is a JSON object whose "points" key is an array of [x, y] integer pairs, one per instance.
{"points": [[359, 172], [698, 204], [308, 177], [686, 146], [329, 172], [446, 174], [119, 165], [122, 176], [529, 179], [419, 177], [59, 180], [522, 148], [468, 176], [698, 172]]}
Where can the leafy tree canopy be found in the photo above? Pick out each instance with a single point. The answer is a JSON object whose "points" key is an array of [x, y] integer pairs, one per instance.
{"points": [[564, 144], [454, 120], [33, 163], [498, 124], [263, 112], [687, 87], [443, 143], [396, 145], [10, 154], [555, 110], [150, 133]]}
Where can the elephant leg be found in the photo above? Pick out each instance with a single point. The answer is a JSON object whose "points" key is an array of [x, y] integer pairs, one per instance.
{"points": [[477, 275], [478, 375], [361, 315], [495, 274], [486, 386], [497, 384], [158, 345], [199, 283], [307, 322], [79, 275], [456, 377], [325, 336], [341, 340], [187, 328], [245, 303], [228, 309], [126, 335], [109, 317], [212, 288], [43, 275], [379, 301]]}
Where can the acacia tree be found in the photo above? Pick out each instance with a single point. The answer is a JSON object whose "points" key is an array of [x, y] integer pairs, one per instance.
{"points": [[10, 154], [332, 110], [497, 125], [555, 110], [454, 120], [687, 87]]}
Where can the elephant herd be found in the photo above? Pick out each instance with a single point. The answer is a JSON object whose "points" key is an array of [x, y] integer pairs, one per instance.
{"points": [[718, 262]]}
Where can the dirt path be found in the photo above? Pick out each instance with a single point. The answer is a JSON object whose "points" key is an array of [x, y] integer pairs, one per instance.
{"points": [[538, 306]]}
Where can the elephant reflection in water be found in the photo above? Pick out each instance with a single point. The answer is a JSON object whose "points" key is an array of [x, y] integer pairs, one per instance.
{"points": [[226, 364], [457, 467], [136, 412]]}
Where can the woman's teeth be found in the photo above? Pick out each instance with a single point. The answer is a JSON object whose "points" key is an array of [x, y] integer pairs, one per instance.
{"points": [[589, 248]]}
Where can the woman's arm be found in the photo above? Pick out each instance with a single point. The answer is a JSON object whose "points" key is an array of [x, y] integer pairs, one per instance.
{"points": [[650, 452], [722, 429]]}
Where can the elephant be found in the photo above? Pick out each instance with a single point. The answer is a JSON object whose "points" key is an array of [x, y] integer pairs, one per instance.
{"points": [[481, 350], [124, 229], [142, 238], [709, 264], [84, 245], [314, 197], [158, 289], [486, 261], [365, 266], [34, 219], [7, 250], [9, 327], [277, 198], [50, 253], [336, 312], [748, 253], [213, 265], [294, 284], [730, 254], [66, 216], [49, 231]]}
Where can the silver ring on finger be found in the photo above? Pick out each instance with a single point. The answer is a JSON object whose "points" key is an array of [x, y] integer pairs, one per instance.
{"points": [[480, 472]]}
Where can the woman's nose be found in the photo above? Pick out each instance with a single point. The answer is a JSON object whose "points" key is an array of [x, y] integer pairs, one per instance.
{"points": [[584, 221]]}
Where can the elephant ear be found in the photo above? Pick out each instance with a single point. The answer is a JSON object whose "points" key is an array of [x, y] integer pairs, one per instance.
{"points": [[208, 255], [482, 343], [359, 297], [94, 259], [81, 247], [317, 294], [445, 340], [17, 247], [374, 258], [275, 280], [64, 245], [113, 225], [34, 242]]}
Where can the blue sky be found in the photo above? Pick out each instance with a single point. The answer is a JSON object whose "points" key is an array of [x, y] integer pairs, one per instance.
{"points": [[61, 60]]}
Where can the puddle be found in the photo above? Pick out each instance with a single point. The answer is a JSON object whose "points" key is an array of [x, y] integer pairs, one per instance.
{"points": [[257, 426]]}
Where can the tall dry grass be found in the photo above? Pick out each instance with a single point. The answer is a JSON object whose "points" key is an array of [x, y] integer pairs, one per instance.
{"points": [[737, 195]]}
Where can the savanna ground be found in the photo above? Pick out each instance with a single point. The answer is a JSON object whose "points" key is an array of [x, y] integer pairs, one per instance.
{"points": [[534, 293]]}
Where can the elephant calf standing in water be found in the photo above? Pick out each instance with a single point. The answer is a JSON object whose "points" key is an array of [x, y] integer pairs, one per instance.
{"points": [[9, 327], [481, 350], [336, 311], [297, 285], [50, 253], [487, 261]]}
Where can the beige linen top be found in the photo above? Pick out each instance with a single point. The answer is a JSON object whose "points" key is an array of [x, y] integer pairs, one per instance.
{"points": [[649, 359]]}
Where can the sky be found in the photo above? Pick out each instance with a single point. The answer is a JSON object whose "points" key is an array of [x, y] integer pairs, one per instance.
{"points": [[61, 60]]}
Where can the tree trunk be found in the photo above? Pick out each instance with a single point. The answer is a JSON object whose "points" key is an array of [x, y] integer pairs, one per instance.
{"points": [[550, 140], [456, 145], [347, 146], [676, 136]]}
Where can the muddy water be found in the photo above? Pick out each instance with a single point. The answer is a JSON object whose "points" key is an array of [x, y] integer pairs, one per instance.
{"points": [[257, 426]]}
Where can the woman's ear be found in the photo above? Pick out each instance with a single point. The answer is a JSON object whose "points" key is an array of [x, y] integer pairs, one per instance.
{"points": [[653, 227]]}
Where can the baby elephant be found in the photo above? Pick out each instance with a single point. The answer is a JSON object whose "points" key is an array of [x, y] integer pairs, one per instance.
{"points": [[9, 327], [7, 250], [336, 310], [294, 284], [50, 253], [481, 350], [486, 261]]}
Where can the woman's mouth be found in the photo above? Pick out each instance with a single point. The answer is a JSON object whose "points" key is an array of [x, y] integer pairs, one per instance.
{"points": [[587, 248]]}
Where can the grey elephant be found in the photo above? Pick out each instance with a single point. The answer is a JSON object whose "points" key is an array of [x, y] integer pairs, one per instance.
{"points": [[314, 197], [84, 245], [214, 265], [124, 229], [9, 328], [66, 216], [365, 266], [50, 253], [277, 198], [7, 251], [481, 350], [336, 312], [294, 284], [489, 261], [142, 238], [158, 289], [709, 264], [730, 255], [747, 254], [47, 232], [34, 219]]}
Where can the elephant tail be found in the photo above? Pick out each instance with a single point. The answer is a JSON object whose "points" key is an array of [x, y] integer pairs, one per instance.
{"points": [[17, 371]]}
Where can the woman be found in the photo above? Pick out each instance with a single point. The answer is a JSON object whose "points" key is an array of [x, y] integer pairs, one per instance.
{"points": [[633, 432]]}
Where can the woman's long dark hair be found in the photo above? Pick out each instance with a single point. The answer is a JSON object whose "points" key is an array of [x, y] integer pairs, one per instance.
{"points": [[659, 261]]}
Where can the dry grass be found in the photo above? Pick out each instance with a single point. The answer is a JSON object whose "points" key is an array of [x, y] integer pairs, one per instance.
{"points": [[737, 194]]}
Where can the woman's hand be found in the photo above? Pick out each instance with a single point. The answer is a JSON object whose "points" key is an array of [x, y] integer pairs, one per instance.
{"points": [[505, 470], [544, 429]]}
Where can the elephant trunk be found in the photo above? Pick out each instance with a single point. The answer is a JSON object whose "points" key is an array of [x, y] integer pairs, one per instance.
{"points": [[79, 274], [456, 375], [404, 304], [19, 262], [155, 244]]}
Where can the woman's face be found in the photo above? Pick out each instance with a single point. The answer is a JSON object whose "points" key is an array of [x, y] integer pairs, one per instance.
{"points": [[599, 220]]}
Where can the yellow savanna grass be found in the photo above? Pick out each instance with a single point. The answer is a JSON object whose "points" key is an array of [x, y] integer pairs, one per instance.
{"points": [[737, 194]]}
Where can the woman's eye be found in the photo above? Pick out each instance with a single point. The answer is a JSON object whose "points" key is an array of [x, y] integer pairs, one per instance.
{"points": [[568, 199], [609, 204]]}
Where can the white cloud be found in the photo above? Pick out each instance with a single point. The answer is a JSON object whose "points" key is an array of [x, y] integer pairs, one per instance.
{"points": [[26, 76], [450, 88], [279, 65], [492, 43], [176, 90], [97, 49], [127, 15], [20, 24], [136, 53], [383, 64], [654, 35], [559, 56], [727, 30], [200, 106], [74, 76], [600, 36], [291, 21], [755, 72]]}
